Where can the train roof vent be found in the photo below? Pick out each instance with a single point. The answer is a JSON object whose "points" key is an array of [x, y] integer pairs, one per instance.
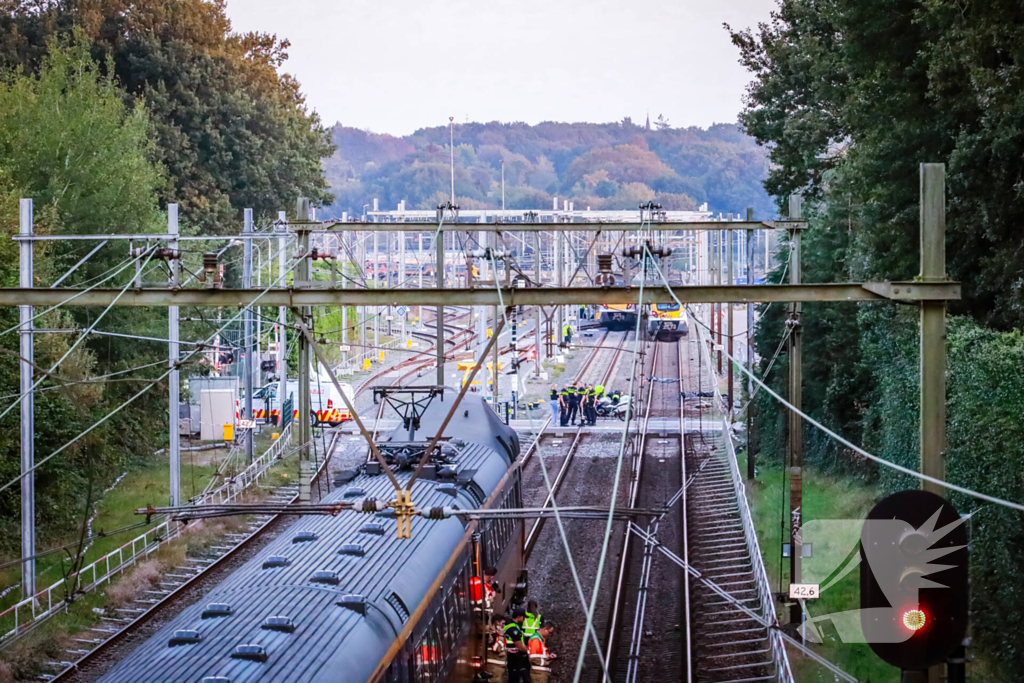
{"points": [[354, 602], [217, 609], [375, 528], [325, 576], [354, 549], [216, 679], [282, 624], [276, 561], [304, 537], [354, 492], [451, 489], [185, 637], [447, 472], [395, 601], [252, 653], [345, 476], [389, 513], [465, 476]]}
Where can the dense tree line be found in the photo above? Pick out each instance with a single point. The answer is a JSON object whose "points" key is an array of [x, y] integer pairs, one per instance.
{"points": [[109, 110], [850, 97], [603, 166]]}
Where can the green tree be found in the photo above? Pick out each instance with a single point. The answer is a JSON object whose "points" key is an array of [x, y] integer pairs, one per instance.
{"points": [[68, 141], [231, 131]]}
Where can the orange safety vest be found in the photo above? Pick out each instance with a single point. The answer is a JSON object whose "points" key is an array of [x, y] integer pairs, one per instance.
{"points": [[537, 646], [474, 589]]}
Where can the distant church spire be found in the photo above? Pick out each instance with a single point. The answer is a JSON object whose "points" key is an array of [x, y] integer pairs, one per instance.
{"points": [[648, 121]]}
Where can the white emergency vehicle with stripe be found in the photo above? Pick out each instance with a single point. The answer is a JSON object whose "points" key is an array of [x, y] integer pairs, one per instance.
{"points": [[326, 405]]}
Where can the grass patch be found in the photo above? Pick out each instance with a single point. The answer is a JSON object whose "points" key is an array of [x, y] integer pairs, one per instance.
{"points": [[116, 509], [824, 497]]}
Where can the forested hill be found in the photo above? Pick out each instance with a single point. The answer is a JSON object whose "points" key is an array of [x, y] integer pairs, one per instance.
{"points": [[600, 165]]}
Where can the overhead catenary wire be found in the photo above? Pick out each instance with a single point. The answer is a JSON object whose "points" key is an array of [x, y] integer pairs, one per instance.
{"points": [[618, 474], [847, 442], [736, 602], [74, 346], [142, 391], [558, 518], [120, 268]]}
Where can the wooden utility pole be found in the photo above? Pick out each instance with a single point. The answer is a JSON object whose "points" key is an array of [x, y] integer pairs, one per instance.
{"points": [[796, 437], [933, 326], [933, 340]]}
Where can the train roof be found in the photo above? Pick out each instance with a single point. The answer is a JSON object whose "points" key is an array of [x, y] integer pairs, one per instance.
{"points": [[326, 558]]}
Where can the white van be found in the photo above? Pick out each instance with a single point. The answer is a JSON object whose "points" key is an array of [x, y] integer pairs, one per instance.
{"points": [[326, 405]]}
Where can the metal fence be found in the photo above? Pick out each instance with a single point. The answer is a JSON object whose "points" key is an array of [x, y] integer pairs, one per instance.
{"points": [[783, 672], [251, 475], [32, 611]]}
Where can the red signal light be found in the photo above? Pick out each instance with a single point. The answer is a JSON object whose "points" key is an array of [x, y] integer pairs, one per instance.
{"points": [[914, 619]]}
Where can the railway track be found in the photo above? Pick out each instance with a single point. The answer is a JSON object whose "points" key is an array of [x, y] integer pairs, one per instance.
{"points": [[651, 644], [532, 477], [102, 645], [585, 471]]}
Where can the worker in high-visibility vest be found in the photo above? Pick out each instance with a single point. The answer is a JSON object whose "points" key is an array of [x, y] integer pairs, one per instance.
{"points": [[517, 655], [533, 619], [482, 592], [564, 406], [574, 403], [540, 656], [590, 406], [599, 391]]}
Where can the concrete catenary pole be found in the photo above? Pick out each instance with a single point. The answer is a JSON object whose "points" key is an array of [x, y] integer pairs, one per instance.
{"points": [[729, 254], [28, 434], [796, 438], [749, 274], [537, 311], [173, 381], [247, 328], [401, 280], [282, 315], [302, 280], [439, 274]]}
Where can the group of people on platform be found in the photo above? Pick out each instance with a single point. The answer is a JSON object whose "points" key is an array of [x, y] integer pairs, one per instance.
{"points": [[517, 642], [575, 400]]}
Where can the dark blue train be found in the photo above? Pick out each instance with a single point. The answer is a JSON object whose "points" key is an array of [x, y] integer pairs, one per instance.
{"points": [[342, 599]]}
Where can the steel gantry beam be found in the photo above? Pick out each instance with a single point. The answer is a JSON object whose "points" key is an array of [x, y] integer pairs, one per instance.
{"points": [[538, 296]]}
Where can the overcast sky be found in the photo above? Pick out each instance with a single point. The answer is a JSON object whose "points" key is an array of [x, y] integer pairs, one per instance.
{"points": [[392, 66]]}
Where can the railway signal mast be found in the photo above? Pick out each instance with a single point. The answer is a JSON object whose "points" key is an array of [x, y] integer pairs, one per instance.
{"points": [[914, 581]]}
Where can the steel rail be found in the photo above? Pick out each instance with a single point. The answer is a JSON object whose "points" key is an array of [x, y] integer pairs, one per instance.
{"points": [[636, 475], [682, 509], [169, 599], [556, 485]]}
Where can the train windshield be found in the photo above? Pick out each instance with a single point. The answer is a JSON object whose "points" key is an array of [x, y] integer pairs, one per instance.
{"points": [[666, 308]]}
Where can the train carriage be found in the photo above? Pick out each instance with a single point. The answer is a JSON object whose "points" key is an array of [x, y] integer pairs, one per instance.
{"points": [[617, 316], [667, 322], [342, 599]]}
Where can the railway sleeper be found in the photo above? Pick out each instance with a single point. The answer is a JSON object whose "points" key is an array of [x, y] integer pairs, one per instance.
{"points": [[740, 655], [737, 631]]}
